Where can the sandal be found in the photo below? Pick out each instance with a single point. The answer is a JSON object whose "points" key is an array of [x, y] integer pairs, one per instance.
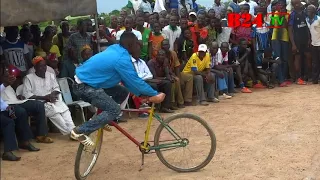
{"points": [[43, 139], [86, 140], [107, 128]]}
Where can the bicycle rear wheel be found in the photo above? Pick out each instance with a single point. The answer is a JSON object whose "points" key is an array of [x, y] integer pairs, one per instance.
{"points": [[87, 157], [199, 137]]}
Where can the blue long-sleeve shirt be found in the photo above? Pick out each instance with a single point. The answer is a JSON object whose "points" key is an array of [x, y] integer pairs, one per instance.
{"points": [[3, 105], [108, 68]]}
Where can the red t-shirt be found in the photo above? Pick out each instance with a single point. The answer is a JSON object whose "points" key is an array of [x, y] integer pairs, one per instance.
{"points": [[203, 34]]}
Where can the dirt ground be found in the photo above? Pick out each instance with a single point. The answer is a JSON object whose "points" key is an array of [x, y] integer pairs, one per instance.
{"points": [[269, 134]]}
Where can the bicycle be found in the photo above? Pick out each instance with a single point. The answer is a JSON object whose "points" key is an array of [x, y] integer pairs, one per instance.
{"points": [[178, 141]]}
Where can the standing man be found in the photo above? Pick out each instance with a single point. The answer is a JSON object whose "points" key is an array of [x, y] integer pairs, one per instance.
{"points": [[199, 32], [128, 23], [234, 6], [145, 6], [217, 6], [299, 38], [14, 51], [313, 22], [61, 39], [78, 40], [252, 5], [146, 49], [172, 32]]}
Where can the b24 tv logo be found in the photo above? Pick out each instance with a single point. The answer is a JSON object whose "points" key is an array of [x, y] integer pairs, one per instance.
{"points": [[277, 20]]}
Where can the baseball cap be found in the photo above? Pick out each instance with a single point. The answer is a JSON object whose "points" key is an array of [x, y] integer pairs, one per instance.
{"points": [[203, 48], [193, 13]]}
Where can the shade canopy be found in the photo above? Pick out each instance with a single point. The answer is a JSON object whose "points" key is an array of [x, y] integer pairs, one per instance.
{"points": [[18, 12]]}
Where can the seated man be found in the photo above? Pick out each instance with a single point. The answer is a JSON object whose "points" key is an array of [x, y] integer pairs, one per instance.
{"points": [[180, 97], [162, 80], [224, 74], [43, 86], [238, 57], [199, 66], [12, 119], [268, 68], [31, 107]]}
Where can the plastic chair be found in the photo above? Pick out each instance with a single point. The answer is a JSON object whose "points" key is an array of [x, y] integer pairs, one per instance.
{"points": [[66, 94]]}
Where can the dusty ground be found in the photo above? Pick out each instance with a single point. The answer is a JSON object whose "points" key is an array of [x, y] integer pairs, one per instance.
{"points": [[270, 134]]}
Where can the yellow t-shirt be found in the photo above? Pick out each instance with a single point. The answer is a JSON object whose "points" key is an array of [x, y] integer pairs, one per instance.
{"points": [[54, 49], [194, 63], [284, 35]]}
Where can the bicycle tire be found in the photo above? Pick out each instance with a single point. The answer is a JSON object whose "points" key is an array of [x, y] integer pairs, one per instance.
{"points": [[203, 123], [93, 162]]}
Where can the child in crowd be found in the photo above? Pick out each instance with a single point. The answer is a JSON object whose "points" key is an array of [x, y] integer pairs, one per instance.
{"points": [[156, 39], [268, 67], [221, 79], [185, 46]]}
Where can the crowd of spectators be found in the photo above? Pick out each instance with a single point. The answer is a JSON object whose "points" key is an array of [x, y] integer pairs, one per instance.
{"points": [[188, 53]]}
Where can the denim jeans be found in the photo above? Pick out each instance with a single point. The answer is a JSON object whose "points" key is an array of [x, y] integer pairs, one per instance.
{"points": [[281, 49], [36, 109], [230, 81], [107, 100]]}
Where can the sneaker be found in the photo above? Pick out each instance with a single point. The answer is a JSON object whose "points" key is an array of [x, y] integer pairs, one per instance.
{"points": [[288, 82], [224, 95], [204, 103], [246, 90], [301, 82], [214, 100], [284, 84], [143, 115], [174, 108], [144, 106], [180, 106], [259, 86], [188, 104]]}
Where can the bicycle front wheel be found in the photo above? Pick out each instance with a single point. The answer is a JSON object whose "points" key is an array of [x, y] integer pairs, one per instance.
{"points": [[195, 133], [87, 157]]}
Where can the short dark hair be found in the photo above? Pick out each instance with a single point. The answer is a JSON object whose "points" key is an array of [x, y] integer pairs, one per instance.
{"points": [[268, 50], [9, 29], [125, 37], [80, 22], [242, 40]]}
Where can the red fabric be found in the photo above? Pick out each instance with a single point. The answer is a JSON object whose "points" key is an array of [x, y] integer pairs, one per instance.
{"points": [[203, 34]]}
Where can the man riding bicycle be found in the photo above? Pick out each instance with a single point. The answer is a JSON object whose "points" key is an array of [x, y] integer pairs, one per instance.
{"points": [[97, 82]]}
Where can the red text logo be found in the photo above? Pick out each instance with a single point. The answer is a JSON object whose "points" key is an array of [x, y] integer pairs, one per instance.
{"points": [[247, 20]]}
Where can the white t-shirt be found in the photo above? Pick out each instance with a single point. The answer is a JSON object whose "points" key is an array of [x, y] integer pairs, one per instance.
{"points": [[135, 32], [314, 31], [167, 33], [218, 59], [135, 4], [252, 5], [224, 36], [159, 6]]}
